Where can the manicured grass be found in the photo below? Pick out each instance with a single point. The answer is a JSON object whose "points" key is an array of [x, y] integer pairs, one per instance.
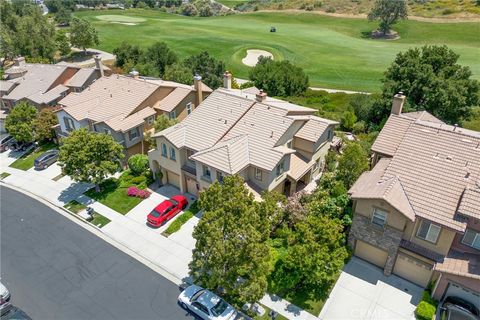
{"points": [[3, 175], [182, 219], [27, 160], [267, 317], [75, 206], [333, 51], [99, 220], [114, 197]]}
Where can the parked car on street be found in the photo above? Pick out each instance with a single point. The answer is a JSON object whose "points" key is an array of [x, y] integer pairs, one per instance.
{"points": [[4, 297], [46, 159], [6, 141], [166, 210], [205, 304], [454, 308], [13, 313]]}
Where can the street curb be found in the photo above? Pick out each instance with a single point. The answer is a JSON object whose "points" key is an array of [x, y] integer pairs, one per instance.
{"points": [[97, 231]]}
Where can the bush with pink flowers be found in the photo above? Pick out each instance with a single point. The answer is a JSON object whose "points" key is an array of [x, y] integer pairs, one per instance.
{"points": [[139, 193]]}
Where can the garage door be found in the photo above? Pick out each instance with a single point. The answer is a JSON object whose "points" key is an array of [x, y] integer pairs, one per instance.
{"points": [[412, 269], [191, 186], [371, 254], [461, 292], [173, 179]]}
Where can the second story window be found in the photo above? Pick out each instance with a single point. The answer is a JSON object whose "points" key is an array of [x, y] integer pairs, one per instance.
{"points": [[151, 120], [428, 231], [173, 156], [281, 167], [472, 239], [69, 125], [379, 217], [172, 115], [189, 108], [134, 133], [164, 150], [206, 172], [258, 174], [190, 162], [220, 176]]}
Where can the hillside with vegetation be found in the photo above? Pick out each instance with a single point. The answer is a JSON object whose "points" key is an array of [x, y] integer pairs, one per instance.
{"points": [[420, 8]]}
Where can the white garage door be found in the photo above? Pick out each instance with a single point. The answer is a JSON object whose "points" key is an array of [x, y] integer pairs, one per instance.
{"points": [[173, 179], [412, 269], [371, 254], [461, 292]]}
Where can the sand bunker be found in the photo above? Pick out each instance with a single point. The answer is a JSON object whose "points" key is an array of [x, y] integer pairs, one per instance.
{"points": [[119, 18], [252, 56], [125, 23]]}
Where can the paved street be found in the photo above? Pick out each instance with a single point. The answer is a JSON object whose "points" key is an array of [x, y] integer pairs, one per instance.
{"points": [[55, 269]]}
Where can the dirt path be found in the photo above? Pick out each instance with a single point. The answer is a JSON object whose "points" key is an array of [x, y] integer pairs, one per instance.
{"points": [[364, 16]]}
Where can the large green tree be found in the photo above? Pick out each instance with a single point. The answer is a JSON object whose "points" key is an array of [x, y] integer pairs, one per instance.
{"points": [[127, 53], [351, 164], [231, 252], [208, 67], [83, 34], [432, 80], [159, 55], [315, 255], [388, 12], [62, 42], [43, 124], [279, 78], [19, 122], [89, 157], [179, 73]]}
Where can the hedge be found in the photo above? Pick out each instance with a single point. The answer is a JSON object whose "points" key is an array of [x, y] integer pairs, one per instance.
{"points": [[182, 219]]}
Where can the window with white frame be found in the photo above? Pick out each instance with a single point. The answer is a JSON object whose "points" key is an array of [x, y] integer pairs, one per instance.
{"points": [[428, 231], [69, 125], [151, 120], [134, 133], [206, 172], [173, 114], [281, 167], [258, 174], [164, 150], [220, 176], [379, 217], [173, 155], [189, 108], [471, 238]]}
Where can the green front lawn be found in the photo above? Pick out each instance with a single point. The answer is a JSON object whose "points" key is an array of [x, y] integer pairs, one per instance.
{"points": [[27, 160], [3, 175], [333, 51], [75, 206], [99, 220], [267, 317], [114, 196]]}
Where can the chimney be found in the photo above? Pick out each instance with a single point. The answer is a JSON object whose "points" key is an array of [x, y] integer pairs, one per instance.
{"points": [[261, 96], [197, 84], [19, 61], [227, 80], [134, 74], [397, 104], [98, 64]]}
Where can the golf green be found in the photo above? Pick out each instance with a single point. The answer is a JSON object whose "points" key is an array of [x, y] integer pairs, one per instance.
{"points": [[334, 52]]}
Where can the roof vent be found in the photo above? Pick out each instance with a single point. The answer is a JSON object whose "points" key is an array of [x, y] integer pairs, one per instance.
{"points": [[225, 121], [455, 126], [111, 95], [467, 175], [436, 156], [271, 134], [449, 158]]}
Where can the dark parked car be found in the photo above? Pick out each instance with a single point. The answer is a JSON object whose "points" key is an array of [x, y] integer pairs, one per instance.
{"points": [[13, 313], [455, 308], [5, 141], [22, 146], [46, 159]]}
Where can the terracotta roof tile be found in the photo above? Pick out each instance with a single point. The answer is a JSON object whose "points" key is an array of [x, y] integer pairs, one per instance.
{"points": [[461, 264]]}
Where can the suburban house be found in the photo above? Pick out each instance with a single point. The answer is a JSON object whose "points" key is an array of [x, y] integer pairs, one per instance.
{"points": [[43, 85], [272, 144], [124, 107], [417, 212]]}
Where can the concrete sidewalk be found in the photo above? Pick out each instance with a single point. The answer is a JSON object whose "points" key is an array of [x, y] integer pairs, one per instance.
{"points": [[171, 254]]}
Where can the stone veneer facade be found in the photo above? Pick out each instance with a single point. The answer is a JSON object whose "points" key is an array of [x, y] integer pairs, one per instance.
{"points": [[387, 238]]}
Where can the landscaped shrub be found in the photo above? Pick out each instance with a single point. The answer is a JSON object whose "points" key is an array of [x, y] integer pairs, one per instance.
{"points": [[138, 164], [182, 219], [425, 311], [139, 193]]}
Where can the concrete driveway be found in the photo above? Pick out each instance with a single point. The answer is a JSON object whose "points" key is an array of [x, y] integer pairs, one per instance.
{"points": [[364, 292]]}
